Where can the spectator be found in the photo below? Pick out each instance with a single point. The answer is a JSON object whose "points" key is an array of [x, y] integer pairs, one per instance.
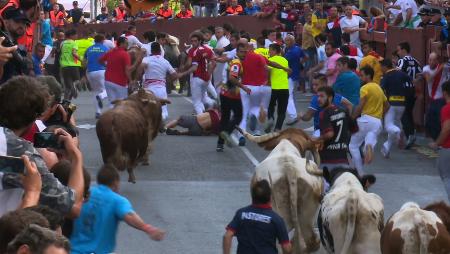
{"points": [[131, 37], [38, 64], [443, 140], [306, 10], [267, 10], [15, 22], [70, 63], [222, 42], [260, 47], [57, 16], [104, 210], [197, 8], [308, 42], [447, 18], [52, 63], [347, 83], [103, 17], [120, 13], [254, 234], [46, 34], [287, 19], [76, 14], [251, 8], [184, 13], [270, 36], [375, 15], [15, 119], [331, 63], [372, 59], [211, 9], [14, 222], [438, 20], [37, 239], [425, 17], [333, 29], [55, 220], [165, 12], [149, 38], [350, 24], [354, 51], [319, 19], [233, 9]]}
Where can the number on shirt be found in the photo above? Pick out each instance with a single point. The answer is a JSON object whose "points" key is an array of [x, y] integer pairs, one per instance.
{"points": [[340, 124], [411, 70]]}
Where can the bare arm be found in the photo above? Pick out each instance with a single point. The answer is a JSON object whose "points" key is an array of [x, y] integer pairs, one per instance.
{"points": [[358, 109], [308, 115], [348, 105], [227, 241], [135, 221], [32, 184], [278, 66]]}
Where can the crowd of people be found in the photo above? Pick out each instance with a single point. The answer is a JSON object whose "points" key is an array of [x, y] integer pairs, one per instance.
{"points": [[235, 79]]}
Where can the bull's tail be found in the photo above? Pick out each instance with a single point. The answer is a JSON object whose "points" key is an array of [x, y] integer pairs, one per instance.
{"points": [[351, 209]]}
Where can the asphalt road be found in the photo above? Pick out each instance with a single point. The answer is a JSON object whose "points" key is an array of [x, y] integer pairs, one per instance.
{"points": [[193, 192]]}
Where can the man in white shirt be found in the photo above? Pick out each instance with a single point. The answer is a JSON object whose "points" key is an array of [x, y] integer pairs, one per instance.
{"points": [[132, 39], [350, 24], [155, 70], [222, 42]]}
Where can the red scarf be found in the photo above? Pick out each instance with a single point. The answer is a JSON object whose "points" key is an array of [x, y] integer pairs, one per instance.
{"points": [[436, 82], [374, 54]]}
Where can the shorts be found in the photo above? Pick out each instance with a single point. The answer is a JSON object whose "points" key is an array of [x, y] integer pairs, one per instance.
{"points": [[190, 123]]}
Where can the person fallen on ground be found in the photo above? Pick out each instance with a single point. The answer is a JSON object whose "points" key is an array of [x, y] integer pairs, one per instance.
{"points": [[196, 125]]}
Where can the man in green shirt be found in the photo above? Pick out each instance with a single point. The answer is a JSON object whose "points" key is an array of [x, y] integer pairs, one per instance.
{"points": [[280, 88], [70, 64]]}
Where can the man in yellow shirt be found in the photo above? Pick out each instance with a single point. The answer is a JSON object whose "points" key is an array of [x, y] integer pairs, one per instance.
{"points": [[372, 106], [372, 59], [260, 49], [280, 88]]}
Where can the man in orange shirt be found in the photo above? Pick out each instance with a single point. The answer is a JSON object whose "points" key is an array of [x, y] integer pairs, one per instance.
{"points": [[233, 9], [184, 13], [57, 16], [165, 12]]}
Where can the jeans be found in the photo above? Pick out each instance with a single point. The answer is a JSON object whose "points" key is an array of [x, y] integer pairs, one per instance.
{"points": [[280, 99], [197, 11], [444, 170], [433, 118], [228, 105]]}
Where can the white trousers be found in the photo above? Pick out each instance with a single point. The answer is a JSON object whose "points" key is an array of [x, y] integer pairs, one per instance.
{"points": [[212, 91], [48, 49], [369, 129], [160, 92], [291, 111], [115, 92], [199, 94], [392, 124], [251, 104], [97, 81]]}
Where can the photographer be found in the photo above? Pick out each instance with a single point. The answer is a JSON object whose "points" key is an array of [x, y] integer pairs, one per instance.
{"points": [[18, 111], [15, 23]]}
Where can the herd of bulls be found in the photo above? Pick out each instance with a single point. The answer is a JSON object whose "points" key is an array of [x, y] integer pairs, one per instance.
{"points": [[350, 220]]}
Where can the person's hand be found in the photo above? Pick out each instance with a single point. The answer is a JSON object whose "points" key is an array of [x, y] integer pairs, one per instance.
{"points": [[247, 90], [70, 144], [155, 233], [31, 181], [6, 52], [433, 145]]}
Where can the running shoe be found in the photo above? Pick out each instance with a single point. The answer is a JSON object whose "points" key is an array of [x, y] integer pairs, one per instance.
{"points": [[410, 142], [172, 132], [292, 121], [99, 101], [219, 148], [241, 141], [97, 115], [385, 152], [228, 140]]}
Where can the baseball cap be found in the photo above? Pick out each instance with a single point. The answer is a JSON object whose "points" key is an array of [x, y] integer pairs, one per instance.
{"points": [[424, 12], [435, 11], [16, 15]]}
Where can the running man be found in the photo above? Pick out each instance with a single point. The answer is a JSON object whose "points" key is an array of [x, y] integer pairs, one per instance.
{"points": [[156, 69], [397, 85], [372, 106], [96, 71]]}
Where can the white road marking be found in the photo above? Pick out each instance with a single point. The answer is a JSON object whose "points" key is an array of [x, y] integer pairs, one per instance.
{"points": [[86, 126], [244, 149]]}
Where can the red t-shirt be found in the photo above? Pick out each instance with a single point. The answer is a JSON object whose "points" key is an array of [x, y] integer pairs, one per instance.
{"points": [[29, 134], [201, 56], [116, 62], [255, 73], [445, 116]]}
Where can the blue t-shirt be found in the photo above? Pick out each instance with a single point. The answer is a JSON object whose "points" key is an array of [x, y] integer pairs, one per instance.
{"points": [[314, 105], [251, 11], [257, 229], [348, 84], [93, 53], [95, 230], [294, 55], [46, 31], [37, 65]]}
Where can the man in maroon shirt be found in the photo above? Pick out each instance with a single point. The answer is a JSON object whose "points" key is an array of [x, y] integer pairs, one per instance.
{"points": [[201, 64], [118, 70], [443, 141]]}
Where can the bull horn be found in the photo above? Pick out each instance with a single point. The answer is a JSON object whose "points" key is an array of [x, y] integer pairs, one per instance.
{"points": [[313, 169], [258, 139]]}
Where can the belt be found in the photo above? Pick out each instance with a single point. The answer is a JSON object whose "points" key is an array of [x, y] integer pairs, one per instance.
{"points": [[396, 98], [154, 82]]}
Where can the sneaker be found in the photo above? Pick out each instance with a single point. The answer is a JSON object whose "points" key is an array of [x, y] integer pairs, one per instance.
{"points": [[241, 141], [253, 122], [228, 140], [368, 155], [99, 102], [292, 121], [385, 152], [219, 148], [172, 132], [410, 142], [97, 115]]}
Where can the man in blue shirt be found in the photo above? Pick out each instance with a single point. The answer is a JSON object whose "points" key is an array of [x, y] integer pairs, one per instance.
{"points": [[295, 56], [39, 52], [46, 34], [347, 83], [95, 230], [251, 8], [257, 227], [95, 72], [314, 109]]}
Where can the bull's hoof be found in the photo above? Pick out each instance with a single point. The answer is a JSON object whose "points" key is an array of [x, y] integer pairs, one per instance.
{"points": [[131, 179]]}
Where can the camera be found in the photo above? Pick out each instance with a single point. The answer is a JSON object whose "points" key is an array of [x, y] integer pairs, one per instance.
{"points": [[57, 117], [8, 42]]}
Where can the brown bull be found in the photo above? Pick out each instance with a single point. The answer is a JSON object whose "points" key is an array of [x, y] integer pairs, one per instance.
{"points": [[299, 138], [126, 131]]}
